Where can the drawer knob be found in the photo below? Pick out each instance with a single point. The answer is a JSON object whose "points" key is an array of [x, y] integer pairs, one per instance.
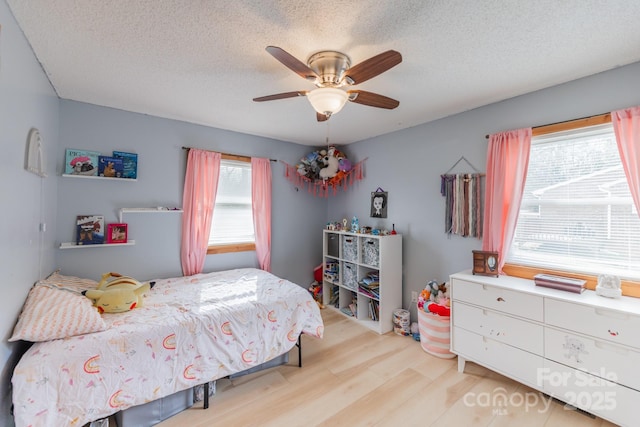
{"points": [[500, 299], [613, 333]]}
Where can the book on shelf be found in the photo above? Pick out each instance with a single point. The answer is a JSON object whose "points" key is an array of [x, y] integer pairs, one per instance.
{"points": [[347, 311], [89, 229], [369, 291], [354, 308], [129, 164], [110, 167], [81, 162], [335, 296], [374, 310]]}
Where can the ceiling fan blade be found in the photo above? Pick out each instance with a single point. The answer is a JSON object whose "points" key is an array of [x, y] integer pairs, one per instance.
{"points": [[372, 67], [293, 63], [322, 117], [372, 99], [281, 96]]}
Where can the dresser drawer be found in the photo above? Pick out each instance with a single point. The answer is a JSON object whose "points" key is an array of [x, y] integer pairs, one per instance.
{"points": [[510, 361], [496, 298], [608, 400], [500, 327], [601, 358], [610, 325]]}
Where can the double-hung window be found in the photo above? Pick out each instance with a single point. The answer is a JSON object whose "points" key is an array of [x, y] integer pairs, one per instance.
{"points": [[577, 213], [232, 223]]}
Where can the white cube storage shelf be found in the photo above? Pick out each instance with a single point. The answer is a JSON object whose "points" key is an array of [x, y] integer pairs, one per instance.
{"points": [[357, 256], [582, 349]]}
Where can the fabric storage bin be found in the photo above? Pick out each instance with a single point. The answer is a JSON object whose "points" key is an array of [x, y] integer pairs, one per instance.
{"points": [[156, 411], [333, 244], [349, 248], [276, 361], [370, 251], [435, 334], [350, 276]]}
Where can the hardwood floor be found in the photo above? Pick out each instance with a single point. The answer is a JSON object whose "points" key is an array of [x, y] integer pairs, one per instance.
{"points": [[355, 377]]}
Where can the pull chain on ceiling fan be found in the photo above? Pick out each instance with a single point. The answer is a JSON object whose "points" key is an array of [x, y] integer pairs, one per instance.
{"points": [[330, 71]]}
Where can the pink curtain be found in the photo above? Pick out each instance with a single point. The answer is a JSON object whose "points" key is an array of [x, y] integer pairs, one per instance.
{"points": [[261, 195], [507, 162], [626, 125], [198, 200]]}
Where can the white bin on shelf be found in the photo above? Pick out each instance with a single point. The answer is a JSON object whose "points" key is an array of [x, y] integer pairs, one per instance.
{"points": [[350, 276], [349, 248], [370, 251]]}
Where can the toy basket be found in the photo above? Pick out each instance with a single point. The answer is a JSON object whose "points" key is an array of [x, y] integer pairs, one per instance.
{"points": [[435, 334]]}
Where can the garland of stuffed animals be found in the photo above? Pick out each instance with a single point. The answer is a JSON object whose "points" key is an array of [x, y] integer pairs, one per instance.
{"points": [[324, 170]]}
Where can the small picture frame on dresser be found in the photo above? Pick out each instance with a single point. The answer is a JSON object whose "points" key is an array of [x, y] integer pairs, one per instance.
{"points": [[485, 263]]}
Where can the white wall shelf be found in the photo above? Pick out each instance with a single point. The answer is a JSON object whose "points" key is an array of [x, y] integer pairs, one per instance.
{"points": [[68, 175], [73, 245], [159, 209]]}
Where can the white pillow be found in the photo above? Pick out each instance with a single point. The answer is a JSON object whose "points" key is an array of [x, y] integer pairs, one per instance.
{"points": [[55, 309]]}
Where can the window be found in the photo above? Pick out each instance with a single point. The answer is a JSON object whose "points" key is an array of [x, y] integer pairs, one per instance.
{"points": [[232, 223], [577, 213]]}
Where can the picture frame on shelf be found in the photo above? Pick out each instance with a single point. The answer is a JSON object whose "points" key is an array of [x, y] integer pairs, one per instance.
{"points": [[117, 233], [89, 229]]}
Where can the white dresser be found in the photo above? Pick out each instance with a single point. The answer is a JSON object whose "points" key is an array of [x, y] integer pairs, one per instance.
{"points": [[582, 349]]}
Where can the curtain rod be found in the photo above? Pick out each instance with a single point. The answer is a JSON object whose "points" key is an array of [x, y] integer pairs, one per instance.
{"points": [[588, 121], [225, 154]]}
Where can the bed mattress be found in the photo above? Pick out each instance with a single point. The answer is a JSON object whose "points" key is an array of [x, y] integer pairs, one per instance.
{"points": [[189, 331]]}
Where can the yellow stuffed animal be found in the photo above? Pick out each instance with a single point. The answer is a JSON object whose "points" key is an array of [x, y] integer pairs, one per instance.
{"points": [[117, 293]]}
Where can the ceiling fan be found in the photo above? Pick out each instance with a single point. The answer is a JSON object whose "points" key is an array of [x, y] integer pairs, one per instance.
{"points": [[330, 71]]}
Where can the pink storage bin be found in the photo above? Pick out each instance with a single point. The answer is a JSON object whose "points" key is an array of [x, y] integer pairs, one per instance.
{"points": [[435, 334]]}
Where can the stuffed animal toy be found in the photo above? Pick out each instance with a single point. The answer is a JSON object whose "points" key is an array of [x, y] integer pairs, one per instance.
{"points": [[331, 169], [116, 293], [434, 298]]}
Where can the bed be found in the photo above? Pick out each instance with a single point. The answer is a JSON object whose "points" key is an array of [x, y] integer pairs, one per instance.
{"points": [[189, 331]]}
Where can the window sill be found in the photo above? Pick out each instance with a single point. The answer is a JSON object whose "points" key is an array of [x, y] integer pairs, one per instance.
{"points": [[629, 287], [233, 247]]}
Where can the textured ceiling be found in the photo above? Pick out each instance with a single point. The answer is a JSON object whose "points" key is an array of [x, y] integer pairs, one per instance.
{"points": [[204, 61]]}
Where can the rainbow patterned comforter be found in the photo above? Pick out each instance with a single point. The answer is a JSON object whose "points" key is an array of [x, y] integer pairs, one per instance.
{"points": [[190, 330]]}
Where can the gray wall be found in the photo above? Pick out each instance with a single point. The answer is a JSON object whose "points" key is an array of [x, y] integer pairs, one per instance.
{"points": [[296, 216], [26, 100], [408, 165]]}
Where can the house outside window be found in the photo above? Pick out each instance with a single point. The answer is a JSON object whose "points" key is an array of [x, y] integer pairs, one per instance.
{"points": [[232, 223], [577, 213]]}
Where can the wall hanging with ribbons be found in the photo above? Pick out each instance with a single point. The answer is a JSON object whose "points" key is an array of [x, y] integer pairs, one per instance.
{"points": [[463, 193]]}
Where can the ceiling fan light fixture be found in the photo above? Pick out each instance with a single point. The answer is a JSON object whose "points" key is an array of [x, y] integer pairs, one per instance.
{"points": [[327, 100]]}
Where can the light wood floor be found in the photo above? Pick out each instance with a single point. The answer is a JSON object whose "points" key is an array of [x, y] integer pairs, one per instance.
{"points": [[355, 377]]}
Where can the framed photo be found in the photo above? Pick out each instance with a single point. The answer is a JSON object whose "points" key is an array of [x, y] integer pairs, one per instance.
{"points": [[89, 229], [379, 204], [485, 263], [117, 233]]}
